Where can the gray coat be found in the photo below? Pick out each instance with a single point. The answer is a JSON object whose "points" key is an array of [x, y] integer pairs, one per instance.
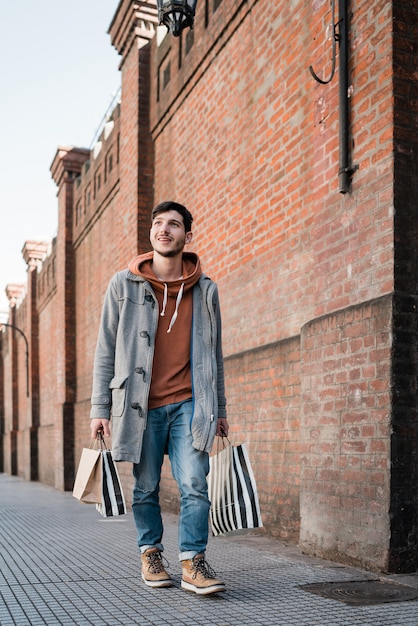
{"points": [[124, 358]]}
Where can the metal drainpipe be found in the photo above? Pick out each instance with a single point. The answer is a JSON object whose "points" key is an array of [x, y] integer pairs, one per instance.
{"points": [[344, 172]]}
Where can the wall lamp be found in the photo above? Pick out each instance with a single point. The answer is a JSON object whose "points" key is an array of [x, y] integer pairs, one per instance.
{"points": [[176, 14], [27, 352]]}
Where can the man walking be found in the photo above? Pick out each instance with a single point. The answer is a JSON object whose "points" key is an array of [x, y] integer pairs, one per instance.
{"points": [[158, 373]]}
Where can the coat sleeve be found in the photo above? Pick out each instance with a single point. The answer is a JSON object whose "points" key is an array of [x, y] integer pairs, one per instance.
{"points": [[104, 360], [219, 358]]}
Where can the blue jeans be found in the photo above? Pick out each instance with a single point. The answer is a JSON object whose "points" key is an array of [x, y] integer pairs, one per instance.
{"points": [[168, 427]]}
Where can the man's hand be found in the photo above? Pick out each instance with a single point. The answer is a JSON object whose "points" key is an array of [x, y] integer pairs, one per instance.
{"points": [[222, 428], [97, 425]]}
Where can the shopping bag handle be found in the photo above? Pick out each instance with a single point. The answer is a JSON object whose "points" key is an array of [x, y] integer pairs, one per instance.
{"points": [[98, 442], [223, 443]]}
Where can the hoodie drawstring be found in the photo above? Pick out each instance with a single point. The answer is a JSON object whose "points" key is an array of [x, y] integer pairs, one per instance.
{"points": [[178, 300], [164, 299]]}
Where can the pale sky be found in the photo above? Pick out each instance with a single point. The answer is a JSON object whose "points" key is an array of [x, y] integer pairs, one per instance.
{"points": [[60, 74]]}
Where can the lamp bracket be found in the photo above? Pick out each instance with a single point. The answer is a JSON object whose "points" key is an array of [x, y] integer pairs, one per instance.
{"points": [[335, 37]]}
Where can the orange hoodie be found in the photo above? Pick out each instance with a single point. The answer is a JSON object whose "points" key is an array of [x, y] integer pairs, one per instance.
{"points": [[171, 377]]}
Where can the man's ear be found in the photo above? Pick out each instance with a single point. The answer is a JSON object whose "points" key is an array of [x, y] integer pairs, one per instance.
{"points": [[189, 237]]}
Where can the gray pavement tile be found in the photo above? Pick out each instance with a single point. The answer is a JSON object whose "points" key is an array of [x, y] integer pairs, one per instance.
{"points": [[62, 564]]}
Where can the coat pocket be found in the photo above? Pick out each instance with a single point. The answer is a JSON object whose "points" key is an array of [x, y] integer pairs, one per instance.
{"points": [[118, 388]]}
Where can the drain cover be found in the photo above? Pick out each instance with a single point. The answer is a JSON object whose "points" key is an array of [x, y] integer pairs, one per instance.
{"points": [[363, 592]]}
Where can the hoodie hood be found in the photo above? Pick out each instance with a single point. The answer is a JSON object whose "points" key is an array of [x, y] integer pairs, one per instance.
{"points": [[142, 266]]}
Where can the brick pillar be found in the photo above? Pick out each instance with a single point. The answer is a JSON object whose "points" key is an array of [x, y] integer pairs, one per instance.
{"points": [[404, 375], [14, 293], [65, 168], [131, 31], [33, 253]]}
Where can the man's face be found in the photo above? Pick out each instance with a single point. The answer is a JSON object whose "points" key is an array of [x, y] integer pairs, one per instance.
{"points": [[167, 234]]}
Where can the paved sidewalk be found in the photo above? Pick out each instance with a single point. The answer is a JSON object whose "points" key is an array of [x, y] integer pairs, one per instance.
{"points": [[61, 563]]}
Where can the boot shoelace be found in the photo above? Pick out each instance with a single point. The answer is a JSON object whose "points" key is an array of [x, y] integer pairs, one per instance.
{"points": [[155, 562], [200, 566]]}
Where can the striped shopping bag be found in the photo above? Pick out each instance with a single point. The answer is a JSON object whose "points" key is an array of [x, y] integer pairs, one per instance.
{"points": [[232, 491], [112, 500]]}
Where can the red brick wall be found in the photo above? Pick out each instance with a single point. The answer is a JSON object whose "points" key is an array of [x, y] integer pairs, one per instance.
{"points": [[249, 141], [253, 151], [345, 435]]}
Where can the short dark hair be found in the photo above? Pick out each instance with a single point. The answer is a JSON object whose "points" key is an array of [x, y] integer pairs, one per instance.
{"points": [[169, 205]]}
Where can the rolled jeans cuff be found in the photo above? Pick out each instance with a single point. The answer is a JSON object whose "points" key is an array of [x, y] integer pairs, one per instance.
{"points": [[184, 556], [143, 549]]}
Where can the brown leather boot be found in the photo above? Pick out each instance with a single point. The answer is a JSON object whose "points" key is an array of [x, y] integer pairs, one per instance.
{"points": [[153, 572], [199, 577]]}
